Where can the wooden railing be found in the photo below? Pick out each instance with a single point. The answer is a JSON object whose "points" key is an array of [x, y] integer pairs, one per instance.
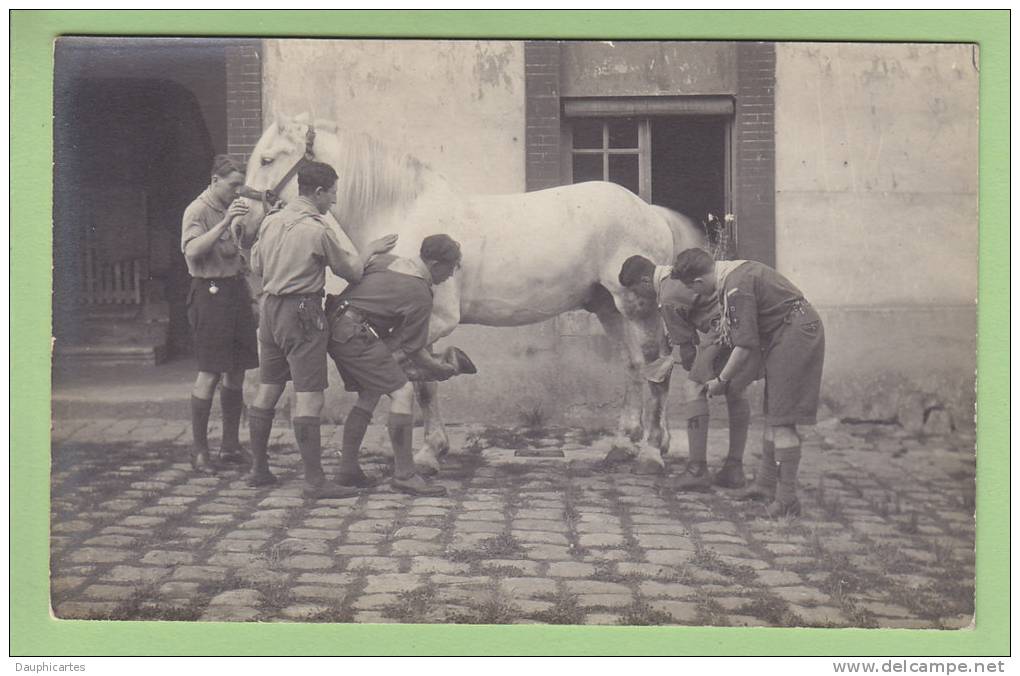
{"points": [[111, 283]]}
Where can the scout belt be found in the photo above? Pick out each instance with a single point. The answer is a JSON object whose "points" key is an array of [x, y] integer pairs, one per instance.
{"points": [[345, 309]]}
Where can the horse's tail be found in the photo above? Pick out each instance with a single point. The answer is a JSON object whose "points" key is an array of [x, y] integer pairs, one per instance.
{"points": [[686, 233]]}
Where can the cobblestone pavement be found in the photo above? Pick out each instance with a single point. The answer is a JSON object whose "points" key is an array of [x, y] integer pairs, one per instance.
{"points": [[887, 536]]}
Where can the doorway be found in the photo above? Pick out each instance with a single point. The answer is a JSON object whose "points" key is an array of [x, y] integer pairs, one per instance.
{"points": [[136, 125]]}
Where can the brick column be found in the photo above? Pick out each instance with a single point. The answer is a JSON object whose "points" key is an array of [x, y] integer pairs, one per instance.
{"points": [[244, 98], [755, 141], [542, 114]]}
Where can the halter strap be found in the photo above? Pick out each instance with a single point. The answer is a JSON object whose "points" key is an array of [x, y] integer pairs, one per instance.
{"points": [[309, 156]]}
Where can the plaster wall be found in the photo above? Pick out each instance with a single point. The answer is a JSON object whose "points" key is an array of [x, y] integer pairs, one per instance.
{"points": [[456, 105]]}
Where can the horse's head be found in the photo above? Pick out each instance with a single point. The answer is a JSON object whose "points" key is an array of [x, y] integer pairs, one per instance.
{"points": [[373, 179], [282, 145]]}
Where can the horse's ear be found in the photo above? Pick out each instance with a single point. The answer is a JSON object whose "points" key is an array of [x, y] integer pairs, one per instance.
{"points": [[281, 121]]}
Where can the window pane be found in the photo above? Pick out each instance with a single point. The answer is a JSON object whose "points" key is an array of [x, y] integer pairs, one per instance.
{"points": [[588, 168], [587, 133], [623, 169], [623, 133]]}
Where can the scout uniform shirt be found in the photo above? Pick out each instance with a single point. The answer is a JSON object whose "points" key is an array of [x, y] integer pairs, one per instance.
{"points": [[757, 302], [224, 258], [294, 248], [395, 295]]}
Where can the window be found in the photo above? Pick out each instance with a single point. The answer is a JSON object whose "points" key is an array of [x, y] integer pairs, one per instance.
{"points": [[611, 150], [680, 161]]}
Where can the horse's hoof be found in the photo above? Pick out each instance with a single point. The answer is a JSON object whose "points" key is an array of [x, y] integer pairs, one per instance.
{"points": [[426, 464], [439, 450], [647, 465], [618, 455]]}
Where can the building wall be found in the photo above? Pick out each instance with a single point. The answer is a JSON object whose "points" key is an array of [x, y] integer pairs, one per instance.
{"points": [[876, 203], [457, 105]]}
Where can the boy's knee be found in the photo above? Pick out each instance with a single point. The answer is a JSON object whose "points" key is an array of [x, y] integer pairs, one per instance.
{"points": [[785, 436]]}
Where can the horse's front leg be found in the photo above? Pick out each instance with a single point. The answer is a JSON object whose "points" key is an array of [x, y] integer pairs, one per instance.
{"points": [[445, 317], [647, 345], [437, 443]]}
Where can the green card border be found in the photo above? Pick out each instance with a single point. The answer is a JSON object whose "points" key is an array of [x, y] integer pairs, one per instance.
{"points": [[34, 632]]}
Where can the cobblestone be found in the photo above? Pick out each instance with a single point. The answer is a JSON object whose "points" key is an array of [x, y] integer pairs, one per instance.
{"points": [[133, 528]]}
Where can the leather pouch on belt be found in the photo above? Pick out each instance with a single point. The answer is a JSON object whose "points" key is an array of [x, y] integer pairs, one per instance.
{"points": [[343, 329], [310, 317]]}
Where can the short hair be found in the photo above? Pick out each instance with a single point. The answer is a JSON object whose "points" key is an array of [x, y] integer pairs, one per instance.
{"points": [[692, 263], [441, 249], [224, 165], [315, 175], [634, 268]]}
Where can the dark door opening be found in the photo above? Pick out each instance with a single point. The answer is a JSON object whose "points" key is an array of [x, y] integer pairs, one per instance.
{"points": [[136, 124], [689, 165]]}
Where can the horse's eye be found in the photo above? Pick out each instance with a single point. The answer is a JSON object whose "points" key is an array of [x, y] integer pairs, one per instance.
{"points": [[267, 160]]}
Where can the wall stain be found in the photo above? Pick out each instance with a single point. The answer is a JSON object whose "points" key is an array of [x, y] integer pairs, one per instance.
{"points": [[491, 67]]}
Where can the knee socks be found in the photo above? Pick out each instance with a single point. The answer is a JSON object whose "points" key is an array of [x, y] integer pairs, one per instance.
{"points": [[231, 403], [739, 420], [260, 424], [308, 433], [400, 429], [200, 409], [355, 428]]}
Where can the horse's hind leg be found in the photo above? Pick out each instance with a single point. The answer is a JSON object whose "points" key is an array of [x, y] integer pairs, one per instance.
{"points": [[604, 308], [437, 443], [646, 344]]}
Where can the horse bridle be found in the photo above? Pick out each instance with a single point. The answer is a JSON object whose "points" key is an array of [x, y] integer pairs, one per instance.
{"points": [[270, 197]]}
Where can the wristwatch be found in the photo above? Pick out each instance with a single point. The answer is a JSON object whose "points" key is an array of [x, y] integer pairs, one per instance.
{"points": [[726, 383]]}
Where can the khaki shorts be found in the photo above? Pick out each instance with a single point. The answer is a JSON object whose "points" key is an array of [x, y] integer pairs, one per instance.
{"points": [[292, 342], [364, 361], [793, 369]]}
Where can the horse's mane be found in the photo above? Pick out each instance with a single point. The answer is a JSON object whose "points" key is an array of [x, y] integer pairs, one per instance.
{"points": [[372, 177]]}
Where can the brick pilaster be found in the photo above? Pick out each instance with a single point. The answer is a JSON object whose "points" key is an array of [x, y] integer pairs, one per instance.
{"points": [[244, 98], [755, 141], [542, 114]]}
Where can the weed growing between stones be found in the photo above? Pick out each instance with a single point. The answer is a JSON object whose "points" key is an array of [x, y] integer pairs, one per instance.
{"points": [[413, 605], [709, 560], [710, 613], [771, 609], [565, 610], [642, 615], [503, 546], [494, 611]]}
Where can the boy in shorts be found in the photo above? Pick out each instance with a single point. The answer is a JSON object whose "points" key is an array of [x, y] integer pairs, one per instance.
{"points": [[763, 311]]}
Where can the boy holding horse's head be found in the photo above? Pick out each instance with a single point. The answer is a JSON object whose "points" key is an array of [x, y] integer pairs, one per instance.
{"points": [[685, 314], [764, 314]]}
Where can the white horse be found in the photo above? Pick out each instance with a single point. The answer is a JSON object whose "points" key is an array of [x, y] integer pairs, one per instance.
{"points": [[526, 257]]}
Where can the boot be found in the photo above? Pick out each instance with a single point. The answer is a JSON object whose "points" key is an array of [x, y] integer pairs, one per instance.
{"points": [[201, 461], [260, 424], [231, 403], [731, 475], [309, 439], [405, 476], [786, 502], [764, 486], [355, 428], [694, 478]]}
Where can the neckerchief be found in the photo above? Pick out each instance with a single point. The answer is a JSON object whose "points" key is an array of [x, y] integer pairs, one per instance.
{"points": [[722, 271]]}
